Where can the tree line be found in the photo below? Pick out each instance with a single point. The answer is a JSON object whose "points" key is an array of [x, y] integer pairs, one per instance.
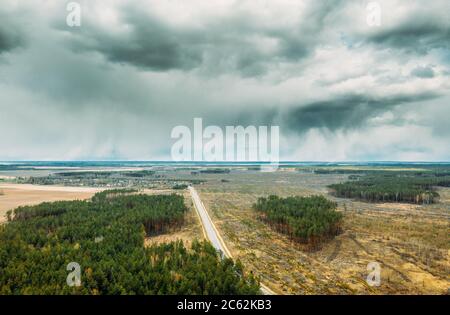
{"points": [[393, 187]]}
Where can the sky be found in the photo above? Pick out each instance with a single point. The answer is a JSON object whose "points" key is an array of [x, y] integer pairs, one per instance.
{"points": [[339, 86]]}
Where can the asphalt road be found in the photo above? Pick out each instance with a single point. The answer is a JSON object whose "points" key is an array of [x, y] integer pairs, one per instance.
{"points": [[209, 228], [213, 234]]}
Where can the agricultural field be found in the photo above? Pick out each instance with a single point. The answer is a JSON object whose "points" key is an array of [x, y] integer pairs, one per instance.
{"points": [[15, 195], [410, 242]]}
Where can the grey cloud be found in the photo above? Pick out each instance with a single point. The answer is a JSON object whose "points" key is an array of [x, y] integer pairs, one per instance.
{"points": [[418, 35], [423, 72], [229, 44], [68, 94], [10, 36], [150, 44], [346, 112], [8, 41]]}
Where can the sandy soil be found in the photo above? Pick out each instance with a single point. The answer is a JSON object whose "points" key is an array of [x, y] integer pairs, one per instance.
{"points": [[15, 195]]}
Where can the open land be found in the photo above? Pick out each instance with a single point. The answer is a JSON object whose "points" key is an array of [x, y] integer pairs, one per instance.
{"points": [[410, 242], [15, 195]]}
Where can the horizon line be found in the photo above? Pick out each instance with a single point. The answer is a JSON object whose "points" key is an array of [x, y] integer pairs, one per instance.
{"points": [[229, 162]]}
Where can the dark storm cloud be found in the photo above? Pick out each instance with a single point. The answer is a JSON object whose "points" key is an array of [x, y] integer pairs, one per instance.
{"points": [[343, 112], [230, 44], [423, 72], [298, 43], [416, 35], [117, 85], [149, 44], [8, 41], [346, 112], [10, 36]]}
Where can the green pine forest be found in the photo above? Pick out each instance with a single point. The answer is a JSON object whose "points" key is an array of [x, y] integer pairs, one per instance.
{"points": [[416, 188], [105, 236], [309, 220]]}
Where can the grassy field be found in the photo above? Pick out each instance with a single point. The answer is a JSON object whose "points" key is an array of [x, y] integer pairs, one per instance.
{"points": [[410, 242]]}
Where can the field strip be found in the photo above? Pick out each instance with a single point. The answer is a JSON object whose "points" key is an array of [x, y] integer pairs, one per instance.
{"points": [[51, 188]]}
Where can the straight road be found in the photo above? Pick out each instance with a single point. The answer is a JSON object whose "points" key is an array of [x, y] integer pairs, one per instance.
{"points": [[212, 234], [208, 226]]}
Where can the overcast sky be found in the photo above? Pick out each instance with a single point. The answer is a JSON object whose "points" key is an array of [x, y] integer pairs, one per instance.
{"points": [[113, 88]]}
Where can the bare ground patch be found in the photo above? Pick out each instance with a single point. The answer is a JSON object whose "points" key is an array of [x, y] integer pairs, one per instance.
{"points": [[15, 195]]}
